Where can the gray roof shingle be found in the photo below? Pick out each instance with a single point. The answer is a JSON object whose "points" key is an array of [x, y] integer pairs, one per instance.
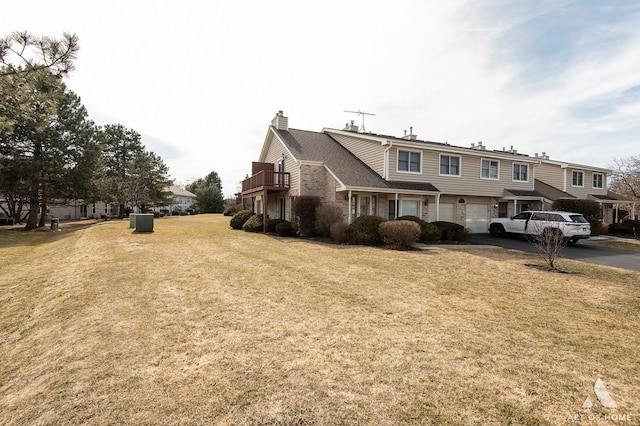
{"points": [[352, 172]]}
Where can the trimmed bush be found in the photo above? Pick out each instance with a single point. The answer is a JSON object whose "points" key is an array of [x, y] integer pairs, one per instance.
{"points": [[272, 223], [364, 231], [451, 231], [285, 229], [240, 218], [627, 227], [428, 231], [400, 234], [326, 216], [6, 221], [254, 224], [304, 208]]}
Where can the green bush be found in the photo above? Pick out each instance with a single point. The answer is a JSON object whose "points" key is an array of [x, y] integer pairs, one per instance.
{"points": [[272, 223], [254, 224], [338, 232], [285, 229], [6, 221], [364, 231], [240, 218], [428, 231], [630, 227], [450, 231], [400, 234]]}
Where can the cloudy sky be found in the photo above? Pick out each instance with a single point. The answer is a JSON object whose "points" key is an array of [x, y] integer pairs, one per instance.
{"points": [[201, 80]]}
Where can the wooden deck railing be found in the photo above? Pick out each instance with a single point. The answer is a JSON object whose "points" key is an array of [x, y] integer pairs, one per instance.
{"points": [[266, 180]]}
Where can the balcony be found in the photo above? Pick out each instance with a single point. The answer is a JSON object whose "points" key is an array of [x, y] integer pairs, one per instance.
{"points": [[265, 180]]}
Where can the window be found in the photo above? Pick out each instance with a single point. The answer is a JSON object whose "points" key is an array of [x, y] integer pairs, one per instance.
{"points": [[598, 180], [489, 169], [522, 216], [364, 205], [410, 208], [578, 178], [409, 161], [520, 172], [449, 165]]}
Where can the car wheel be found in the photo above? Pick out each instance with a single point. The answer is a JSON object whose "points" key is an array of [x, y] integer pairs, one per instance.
{"points": [[496, 230], [571, 242]]}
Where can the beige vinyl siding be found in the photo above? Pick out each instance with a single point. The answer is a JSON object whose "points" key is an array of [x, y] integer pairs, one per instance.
{"points": [[274, 154], [370, 152], [469, 182], [587, 180], [551, 174]]}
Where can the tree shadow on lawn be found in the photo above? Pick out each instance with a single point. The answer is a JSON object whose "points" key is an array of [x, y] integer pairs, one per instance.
{"points": [[17, 235]]}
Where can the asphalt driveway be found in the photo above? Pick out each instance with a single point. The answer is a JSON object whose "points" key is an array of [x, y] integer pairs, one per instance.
{"points": [[590, 253]]}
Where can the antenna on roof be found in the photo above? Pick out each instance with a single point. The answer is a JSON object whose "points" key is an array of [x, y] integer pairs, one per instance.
{"points": [[362, 113]]}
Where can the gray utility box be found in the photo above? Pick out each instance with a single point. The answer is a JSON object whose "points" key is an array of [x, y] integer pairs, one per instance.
{"points": [[132, 220], [144, 223]]}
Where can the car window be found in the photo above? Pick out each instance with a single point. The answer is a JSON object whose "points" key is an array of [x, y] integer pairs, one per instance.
{"points": [[555, 217], [539, 216], [523, 216], [578, 218]]}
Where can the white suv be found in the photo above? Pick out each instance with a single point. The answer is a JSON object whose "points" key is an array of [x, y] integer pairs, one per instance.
{"points": [[572, 226]]}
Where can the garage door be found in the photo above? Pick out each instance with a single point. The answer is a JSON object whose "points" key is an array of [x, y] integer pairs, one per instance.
{"points": [[477, 218]]}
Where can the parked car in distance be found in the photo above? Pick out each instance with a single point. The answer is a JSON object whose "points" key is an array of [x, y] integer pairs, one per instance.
{"points": [[571, 226]]}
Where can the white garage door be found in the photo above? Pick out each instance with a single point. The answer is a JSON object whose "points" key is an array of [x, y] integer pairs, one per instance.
{"points": [[477, 218]]}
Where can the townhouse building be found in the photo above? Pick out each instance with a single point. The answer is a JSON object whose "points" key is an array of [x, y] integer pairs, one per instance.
{"points": [[373, 174]]}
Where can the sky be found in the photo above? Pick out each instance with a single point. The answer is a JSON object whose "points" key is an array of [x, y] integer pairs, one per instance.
{"points": [[202, 80]]}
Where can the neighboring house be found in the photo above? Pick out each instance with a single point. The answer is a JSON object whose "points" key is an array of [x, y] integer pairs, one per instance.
{"points": [[182, 199], [371, 174]]}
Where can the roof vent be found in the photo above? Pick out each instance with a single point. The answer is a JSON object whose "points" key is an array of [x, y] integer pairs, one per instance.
{"points": [[350, 127], [410, 136], [280, 122]]}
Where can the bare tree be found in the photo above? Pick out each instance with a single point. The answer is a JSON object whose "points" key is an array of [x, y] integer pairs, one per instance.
{"points": [[548, 241]]}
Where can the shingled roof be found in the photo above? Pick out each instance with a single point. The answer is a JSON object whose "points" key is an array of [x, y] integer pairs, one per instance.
{"points": [[306, 145]]}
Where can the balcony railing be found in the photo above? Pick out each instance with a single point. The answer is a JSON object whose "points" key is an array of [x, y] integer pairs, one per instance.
{"points": [[268, 180]]}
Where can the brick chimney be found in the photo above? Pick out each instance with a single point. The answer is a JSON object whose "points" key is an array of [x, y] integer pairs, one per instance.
{"points": [[280, 122]]}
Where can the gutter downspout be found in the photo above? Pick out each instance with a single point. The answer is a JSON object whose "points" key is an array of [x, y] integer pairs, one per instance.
{"points": [[386, 161]]}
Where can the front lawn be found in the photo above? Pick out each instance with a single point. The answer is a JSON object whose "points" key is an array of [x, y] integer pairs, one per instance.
{"points": [[200, 324]]}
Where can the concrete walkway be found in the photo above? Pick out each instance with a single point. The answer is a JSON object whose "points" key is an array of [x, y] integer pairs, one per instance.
{"points": [[421, 246]]}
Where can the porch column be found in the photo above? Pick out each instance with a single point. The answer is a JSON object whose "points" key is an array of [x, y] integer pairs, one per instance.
{"points": [[396, 208], [437, 206], [349, 207]]}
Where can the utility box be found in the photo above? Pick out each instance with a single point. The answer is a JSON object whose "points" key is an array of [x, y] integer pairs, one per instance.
{"points": [[144, 223], [132, 220], [55, 223]]}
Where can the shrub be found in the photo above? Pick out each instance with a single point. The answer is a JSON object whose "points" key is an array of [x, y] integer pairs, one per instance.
{"points": [[326, 216], [272, 223], [428, 231], [364, 231], [231, 210], [338, 232], [184, 213], [6, 221], [240, 218], [304, 208], [285, 229], [400, 234], [451, 231], [629, 227], [254, 224]]}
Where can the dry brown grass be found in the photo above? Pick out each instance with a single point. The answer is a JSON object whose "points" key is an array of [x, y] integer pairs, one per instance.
{"points": [[199, 324], [626, 244]]}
